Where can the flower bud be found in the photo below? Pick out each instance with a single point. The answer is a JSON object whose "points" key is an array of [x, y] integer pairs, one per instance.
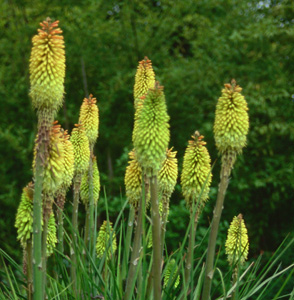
{"points": [[171, 268], [106, 241], [51, 235], [196, 175]]}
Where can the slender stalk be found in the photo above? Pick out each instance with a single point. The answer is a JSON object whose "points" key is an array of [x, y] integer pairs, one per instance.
{"points": [[91, 242], [156, 241], [224, 181], [135, 257], [37, 225], [87, 222], [77, 184], [127, 245], [165, 208], [235, 278], [29, 252], [60, 231], [190, 252]]}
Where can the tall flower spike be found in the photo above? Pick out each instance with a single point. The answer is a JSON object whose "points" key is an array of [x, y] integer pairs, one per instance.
{"points": [[51, 235], [144, 79], [24, 216], [80, 144], [231, 120], [85, 184], [237, 245], [171, 268], [55, 163], [152, 135], [89, 118], [196, 175], [106, 241], [47, 67], [168, 174]]}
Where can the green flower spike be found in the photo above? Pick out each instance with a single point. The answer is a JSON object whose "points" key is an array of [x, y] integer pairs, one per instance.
{"points": [[51, 235], [55, 161], [196, 175], [85, 184], [89, 118], [144, 79], [231, 121], [80, 144], [237, 245], [168, 174], [103, 241], [47, 67], [24, 216], [152, 134], [171, 268]]}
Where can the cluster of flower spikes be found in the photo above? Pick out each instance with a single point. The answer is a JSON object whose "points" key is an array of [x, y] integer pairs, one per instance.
{"points": [[54, 169], [89, 118], [47, 67], [152, 134], [231, 121], [24, 215], [133, 181], [237, 244], [81, 147], [144, 79], [196, 174], [171, 268], [106, 241], [24, 220], [85, 184]]}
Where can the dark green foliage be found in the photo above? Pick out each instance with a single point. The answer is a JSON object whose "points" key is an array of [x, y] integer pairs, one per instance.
{"points": [[195, 48]]}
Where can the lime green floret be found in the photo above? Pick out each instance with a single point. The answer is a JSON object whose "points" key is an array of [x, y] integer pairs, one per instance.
{"points": [[237, 245], [85, 184], [196, 175], [231, 120], [106, 241], [171, 268], [81, 146], [51, 235], [152, 133]]}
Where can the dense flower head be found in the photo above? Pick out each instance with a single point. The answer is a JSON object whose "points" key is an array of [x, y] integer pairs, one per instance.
{"points": [[168, 174], [152, 133], [47, 67], [144, 79], [24, 216], [51, 235], [106, 241], [85, 184], [171, 268], [80, 144], [237, 244], [196, 175], [89, 118], [231, 119], [54, 166]]}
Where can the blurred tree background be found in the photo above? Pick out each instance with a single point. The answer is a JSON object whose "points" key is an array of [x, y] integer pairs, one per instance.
{"points": [[195, 47]]}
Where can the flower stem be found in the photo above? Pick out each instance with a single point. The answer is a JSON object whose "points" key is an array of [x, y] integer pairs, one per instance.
{"points": [[29, 269], [227, 165]]}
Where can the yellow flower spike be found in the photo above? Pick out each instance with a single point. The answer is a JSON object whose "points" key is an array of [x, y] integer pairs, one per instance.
{"points": [[96, 184], [106, 240], [196, 174], [152, 133], [24, 216], [237, 245], [80, 144], [89, 118], [168, 174], [231, 120], [47, 67], [144, 79], [171, 268], [51, 235], [55, 161]]}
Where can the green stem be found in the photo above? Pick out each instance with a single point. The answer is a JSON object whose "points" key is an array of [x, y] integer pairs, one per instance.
{"points": [[29, 263], [135, 257], [165, 209], [60, 229], [37, 225], [77, 185], [156, 241], [91, 242], [235, 277], [224, 181]]}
